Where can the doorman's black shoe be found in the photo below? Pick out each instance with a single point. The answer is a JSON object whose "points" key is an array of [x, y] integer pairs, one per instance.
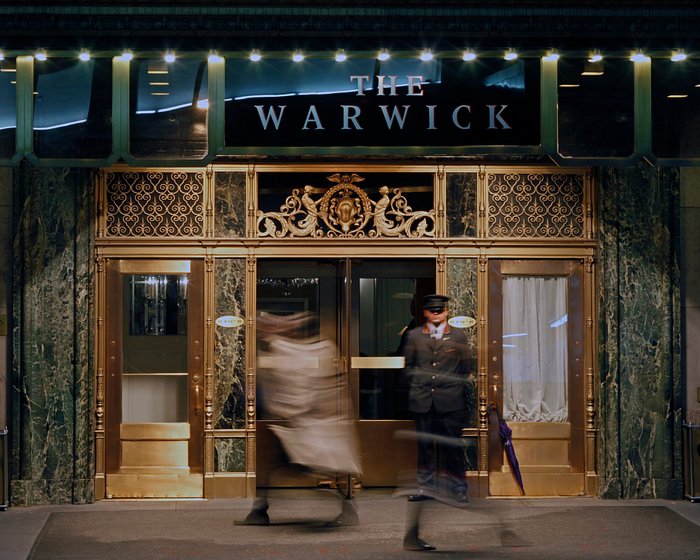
{"points": [[255, 517], [412, 542], [420, 496]]}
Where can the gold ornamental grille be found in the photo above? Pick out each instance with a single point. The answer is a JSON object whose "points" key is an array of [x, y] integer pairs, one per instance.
{"points": [[535, 205], [155, 204]]}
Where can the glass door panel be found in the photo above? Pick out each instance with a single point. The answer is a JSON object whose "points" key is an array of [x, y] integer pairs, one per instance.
{"points": [[155, 361], [536, 375]]}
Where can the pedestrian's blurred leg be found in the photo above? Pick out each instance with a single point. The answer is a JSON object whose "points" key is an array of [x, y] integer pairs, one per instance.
{"points": [[348, 515], [411, 540]]}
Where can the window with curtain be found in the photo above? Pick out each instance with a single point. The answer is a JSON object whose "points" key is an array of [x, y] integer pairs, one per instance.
{"points": [[535, 356]]}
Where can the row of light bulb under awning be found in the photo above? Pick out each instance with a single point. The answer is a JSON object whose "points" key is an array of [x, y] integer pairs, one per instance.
{"points": [[384, 54]]}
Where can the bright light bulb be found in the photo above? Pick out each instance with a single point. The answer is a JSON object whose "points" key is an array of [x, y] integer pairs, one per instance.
{"points": [[41, 56], [469, 56], [639, 57], [426, 56], [298, 56], [341, 56], [383, 55], [510, 55], [84, 56], [678, 56], [255, 56], [169, 57], [213, 58], [595, 57]]}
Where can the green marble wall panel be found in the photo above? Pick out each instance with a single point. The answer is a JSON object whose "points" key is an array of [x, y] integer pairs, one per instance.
{"points": [[52, 459], [229, 345], [462, 280], [640, 384], [461, 211], [229, 455], [229, 204]]}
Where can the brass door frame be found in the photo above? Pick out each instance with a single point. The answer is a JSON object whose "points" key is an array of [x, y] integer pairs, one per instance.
{"points": [[578, 394], [115, 271]]}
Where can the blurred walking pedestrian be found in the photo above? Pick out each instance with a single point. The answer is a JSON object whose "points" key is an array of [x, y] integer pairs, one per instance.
{"points": [[298, 385]]}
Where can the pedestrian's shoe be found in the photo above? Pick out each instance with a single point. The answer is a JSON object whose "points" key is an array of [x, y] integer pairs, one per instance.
{"points": [[255, 517], [414, 542]]}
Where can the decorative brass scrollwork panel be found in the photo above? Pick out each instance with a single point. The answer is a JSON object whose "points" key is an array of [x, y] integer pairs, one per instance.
{"points": [[155, 204], [536, 205], [345, 210]]}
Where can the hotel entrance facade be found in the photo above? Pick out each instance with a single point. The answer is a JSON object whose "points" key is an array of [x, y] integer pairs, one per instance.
{"points": [[179, 338], [161, 205]]}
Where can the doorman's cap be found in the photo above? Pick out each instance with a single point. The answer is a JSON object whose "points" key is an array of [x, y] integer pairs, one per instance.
{"points": [[434, 301]]}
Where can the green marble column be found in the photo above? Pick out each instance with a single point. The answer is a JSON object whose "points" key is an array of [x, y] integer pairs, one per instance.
{"points": [[52, 456], [639, 348]]}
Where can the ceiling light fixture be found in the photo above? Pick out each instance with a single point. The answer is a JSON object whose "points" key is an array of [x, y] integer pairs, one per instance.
{"points": [[426, 56], [169, 57], [468, 56], [340, 56], [595, 57], [298, 56], [84, 55], [678, 56], [639, 56], [384, 55], [41, 56], [510, 55], [255, 56]]}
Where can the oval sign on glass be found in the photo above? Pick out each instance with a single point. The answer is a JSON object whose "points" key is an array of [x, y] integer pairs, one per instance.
{"points": [[462, 322], [229, 321]]}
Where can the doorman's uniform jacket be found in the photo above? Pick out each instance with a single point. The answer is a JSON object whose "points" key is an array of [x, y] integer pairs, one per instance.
{"points": [[438, 369]]}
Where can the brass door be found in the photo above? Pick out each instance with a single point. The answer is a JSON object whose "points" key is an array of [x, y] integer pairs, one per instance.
{"points": [[154, 382], [536, 375], [363, 306]]}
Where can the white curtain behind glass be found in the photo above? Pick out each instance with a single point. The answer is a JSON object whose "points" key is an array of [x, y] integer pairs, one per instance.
{"points": [[535, 359]]}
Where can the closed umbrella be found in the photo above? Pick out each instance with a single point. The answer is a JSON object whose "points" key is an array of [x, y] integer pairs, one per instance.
{"points": [[507, 439]]}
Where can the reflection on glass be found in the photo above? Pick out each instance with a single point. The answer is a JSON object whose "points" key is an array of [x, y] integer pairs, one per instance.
{"points": [[675, 108], [169, 117], [386, 312], [8, 107], [535, 349], [73, 108], [158, 305], [155, 357], [596, 109]]}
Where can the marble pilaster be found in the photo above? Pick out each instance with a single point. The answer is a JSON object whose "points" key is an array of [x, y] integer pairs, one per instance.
{"points": [[229, 204], [229, 346], [461, 211], [52, 446], [639, 329], [229, 455], [462, 290]]}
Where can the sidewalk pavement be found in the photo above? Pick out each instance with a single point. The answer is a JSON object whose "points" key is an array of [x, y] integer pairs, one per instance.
{"points": [[523, 528]]}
